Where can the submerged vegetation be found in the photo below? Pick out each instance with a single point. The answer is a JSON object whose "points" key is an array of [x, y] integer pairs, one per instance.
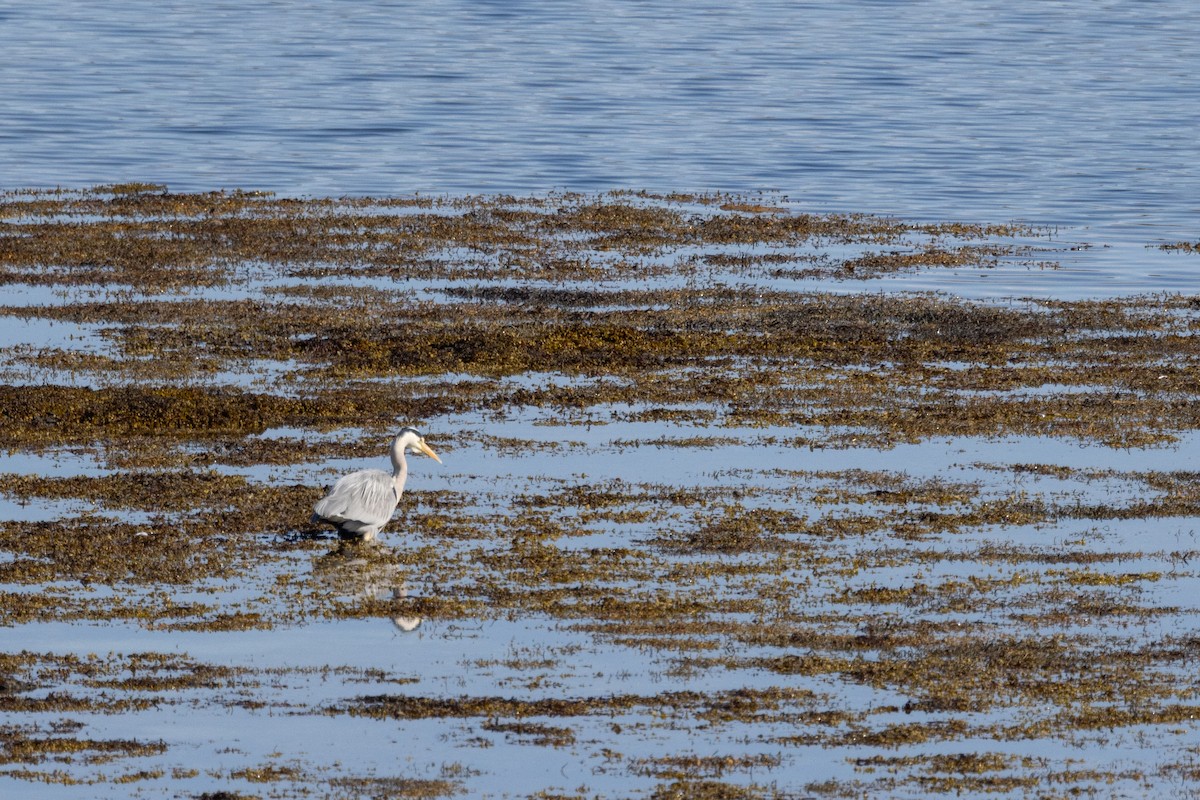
{"points": [[896, 608]]}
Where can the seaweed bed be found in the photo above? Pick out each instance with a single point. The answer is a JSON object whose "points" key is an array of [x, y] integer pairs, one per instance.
{"points": [[723, 514]]}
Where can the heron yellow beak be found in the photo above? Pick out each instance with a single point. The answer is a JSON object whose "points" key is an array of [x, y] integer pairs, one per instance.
{"points": [[427, 450]]}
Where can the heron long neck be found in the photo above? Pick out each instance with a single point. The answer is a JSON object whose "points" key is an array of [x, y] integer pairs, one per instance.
{"points": [[399, 467]]}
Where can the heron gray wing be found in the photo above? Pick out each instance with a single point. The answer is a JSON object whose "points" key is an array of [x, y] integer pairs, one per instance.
{"points": [[368, 498]]}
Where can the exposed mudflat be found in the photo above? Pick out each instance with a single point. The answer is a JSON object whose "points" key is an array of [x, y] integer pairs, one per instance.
{"points": [[725, 512]]}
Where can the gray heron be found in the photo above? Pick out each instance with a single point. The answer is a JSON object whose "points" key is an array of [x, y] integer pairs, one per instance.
{"points": [[361, 504]]}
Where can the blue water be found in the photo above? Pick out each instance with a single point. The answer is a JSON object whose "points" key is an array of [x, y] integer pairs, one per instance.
{"points": [[1078, 114], [1081, 115]]}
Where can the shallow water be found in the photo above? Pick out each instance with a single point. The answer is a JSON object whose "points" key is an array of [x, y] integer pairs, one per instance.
{"points": [[272, 716], [1077, 118]]}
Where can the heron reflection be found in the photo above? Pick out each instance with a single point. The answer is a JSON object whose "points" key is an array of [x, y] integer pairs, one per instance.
{"points": [[365, 572]]}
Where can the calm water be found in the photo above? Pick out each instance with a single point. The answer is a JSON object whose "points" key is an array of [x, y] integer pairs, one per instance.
{"points": [[1080, 114]]}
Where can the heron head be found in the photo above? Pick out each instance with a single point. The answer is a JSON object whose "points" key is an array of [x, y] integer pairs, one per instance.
{"points": [[410, 439]]}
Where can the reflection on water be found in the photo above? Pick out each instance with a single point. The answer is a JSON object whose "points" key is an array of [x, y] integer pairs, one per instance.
{"points": [[366, 571]]}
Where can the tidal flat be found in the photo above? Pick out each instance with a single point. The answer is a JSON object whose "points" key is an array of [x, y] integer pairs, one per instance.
{"points": [[727, 509]]}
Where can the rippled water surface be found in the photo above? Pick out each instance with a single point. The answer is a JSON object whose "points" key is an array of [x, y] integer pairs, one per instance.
{"points": [[1076, 113], [236, 658]]}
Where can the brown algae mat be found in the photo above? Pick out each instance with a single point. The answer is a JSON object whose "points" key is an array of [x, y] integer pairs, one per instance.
{"points": [[724, 512]]}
